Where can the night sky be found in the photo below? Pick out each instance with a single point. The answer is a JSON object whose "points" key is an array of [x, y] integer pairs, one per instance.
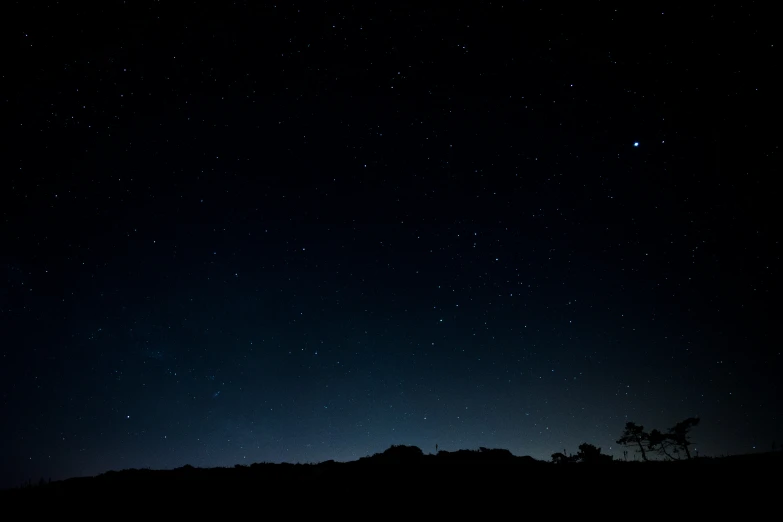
{"points": [[250, 232]]}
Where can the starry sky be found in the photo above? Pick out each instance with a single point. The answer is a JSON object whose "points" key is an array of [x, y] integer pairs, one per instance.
{"points": [[247, 231]]}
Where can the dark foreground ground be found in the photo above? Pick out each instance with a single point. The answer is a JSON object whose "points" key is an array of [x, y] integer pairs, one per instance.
{"points": [[464, 484]]}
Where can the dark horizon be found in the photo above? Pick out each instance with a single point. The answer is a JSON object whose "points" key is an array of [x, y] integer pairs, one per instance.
{"points": [[411, 463], [412, 456], [301, 233]]}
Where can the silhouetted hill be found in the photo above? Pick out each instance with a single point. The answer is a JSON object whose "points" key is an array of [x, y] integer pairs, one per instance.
{"points": [[472, 472]]}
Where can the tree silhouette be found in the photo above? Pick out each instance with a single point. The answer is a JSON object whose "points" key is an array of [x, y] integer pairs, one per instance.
{"points": [[634, 435], [662, 442], [679, 434]]}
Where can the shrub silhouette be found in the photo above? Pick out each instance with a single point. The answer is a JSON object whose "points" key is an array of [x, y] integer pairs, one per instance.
{"points": [[400, 453], [590, 454], [495, 453], [562, 458], [482, 455]]}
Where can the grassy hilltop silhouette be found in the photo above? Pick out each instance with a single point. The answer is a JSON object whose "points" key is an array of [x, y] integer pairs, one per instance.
{"points": [[496, 469], [667, 471]]}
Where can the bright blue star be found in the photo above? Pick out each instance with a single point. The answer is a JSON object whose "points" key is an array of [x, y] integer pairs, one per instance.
{"points": [[635, 143]]}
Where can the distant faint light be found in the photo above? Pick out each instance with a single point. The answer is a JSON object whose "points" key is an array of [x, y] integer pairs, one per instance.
{"points": [[635, 143]]}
